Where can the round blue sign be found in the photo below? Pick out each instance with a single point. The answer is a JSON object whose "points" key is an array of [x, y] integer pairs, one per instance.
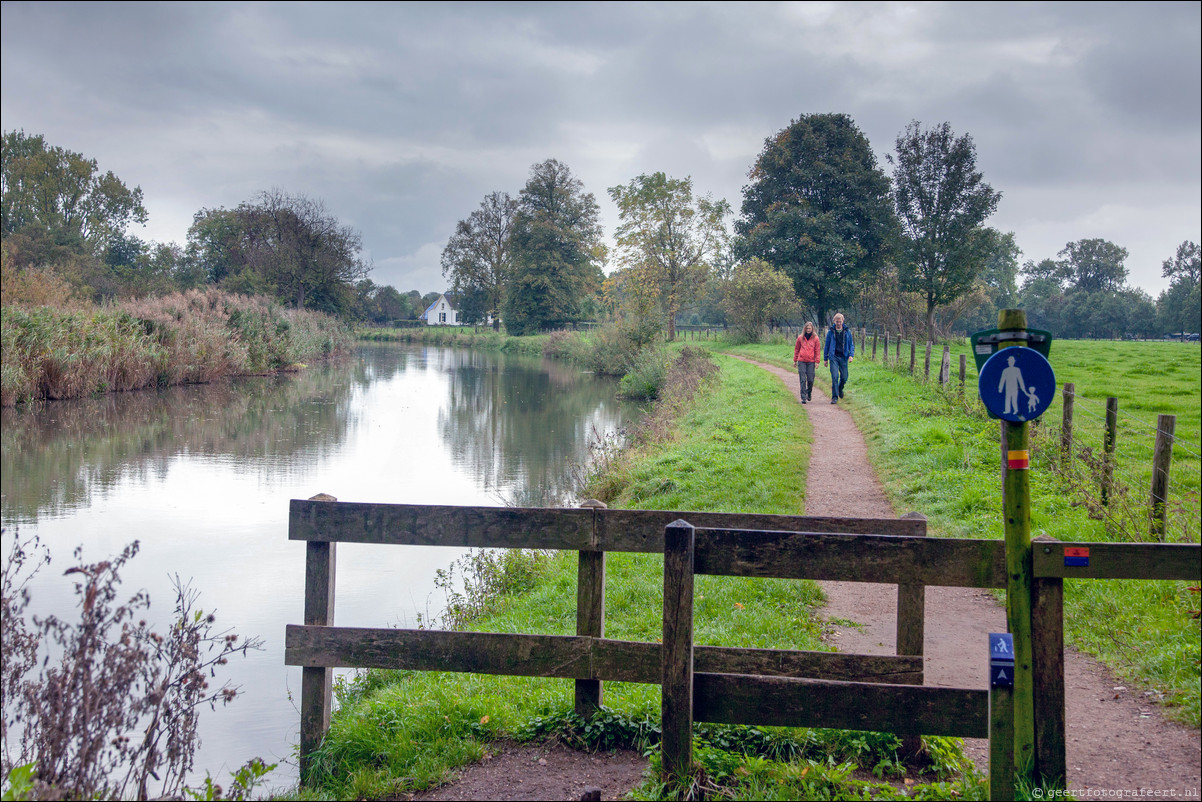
{"points": [[1017, 384]]}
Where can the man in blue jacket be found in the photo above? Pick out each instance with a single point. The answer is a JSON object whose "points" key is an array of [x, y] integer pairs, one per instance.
{"points": [[839, 349]]}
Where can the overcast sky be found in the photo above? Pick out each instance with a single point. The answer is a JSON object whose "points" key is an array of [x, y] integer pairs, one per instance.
{"points": [[402, 117]]}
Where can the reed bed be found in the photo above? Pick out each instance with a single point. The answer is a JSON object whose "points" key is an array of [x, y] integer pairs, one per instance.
{"points": [[191, 337]]}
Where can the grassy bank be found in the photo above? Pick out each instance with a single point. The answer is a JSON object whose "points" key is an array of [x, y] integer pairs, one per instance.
{"points": [[937, 452], [741, 445], [183, 338]]}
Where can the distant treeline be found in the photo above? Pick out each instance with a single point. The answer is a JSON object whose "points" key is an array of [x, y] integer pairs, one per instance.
{"points": [[822, 228]]}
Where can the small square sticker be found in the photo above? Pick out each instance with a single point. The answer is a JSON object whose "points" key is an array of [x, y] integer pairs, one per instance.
{"points": [[1076, 556]]}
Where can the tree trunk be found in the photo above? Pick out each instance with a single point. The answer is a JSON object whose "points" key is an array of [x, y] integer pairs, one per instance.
{"points": [[930, 319]]}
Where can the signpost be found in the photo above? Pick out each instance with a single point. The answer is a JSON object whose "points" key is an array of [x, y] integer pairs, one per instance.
{"points": [[1017, 384], [1001, 715]]}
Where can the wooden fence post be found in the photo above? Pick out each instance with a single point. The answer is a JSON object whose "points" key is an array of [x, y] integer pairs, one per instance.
{"points": [[1112, 423], [945, 366], [590, 612], [885, 353], [676, 713], [1066, 427], [963, 369], [911, 630], [1047, 666], [1001, 742], [913, 344], [1162, 459], [875, 335], [317, 684], [926, 369], [863, 339]]}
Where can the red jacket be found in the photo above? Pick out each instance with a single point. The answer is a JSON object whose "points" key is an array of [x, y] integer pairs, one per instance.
{"points": [[807, 350]]}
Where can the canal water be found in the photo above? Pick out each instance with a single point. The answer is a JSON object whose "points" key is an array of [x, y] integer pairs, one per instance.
{"points": [[201, 476]]}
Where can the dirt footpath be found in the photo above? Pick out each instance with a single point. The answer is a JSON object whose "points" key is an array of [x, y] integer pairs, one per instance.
{"points": [[1117, 739]]}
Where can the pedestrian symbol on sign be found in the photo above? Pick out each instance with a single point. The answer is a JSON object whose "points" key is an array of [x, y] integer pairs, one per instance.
{"points": [[1017, 384]]}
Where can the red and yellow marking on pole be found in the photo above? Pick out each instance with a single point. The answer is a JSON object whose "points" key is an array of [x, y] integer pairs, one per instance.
{"points": [[1017, 460]]}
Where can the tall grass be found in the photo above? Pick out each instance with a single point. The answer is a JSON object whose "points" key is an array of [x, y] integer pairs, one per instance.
{"points": [[191, 337]]}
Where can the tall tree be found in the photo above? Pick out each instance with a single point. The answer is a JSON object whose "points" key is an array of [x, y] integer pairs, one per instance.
{"points": [[668, 237], [303, 250], [1094, 265], [941, 203], [817, 208], [1186, 265], [998, 280], [477, 258], [1178, 307], [48, 191], [288, 245], [557, 250]]}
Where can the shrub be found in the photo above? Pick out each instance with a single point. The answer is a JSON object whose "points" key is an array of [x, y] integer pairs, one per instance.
{"points": [[646, 377], [113, 704]]}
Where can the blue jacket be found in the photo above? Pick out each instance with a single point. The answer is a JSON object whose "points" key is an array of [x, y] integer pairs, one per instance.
{"points": [[849, 344]]}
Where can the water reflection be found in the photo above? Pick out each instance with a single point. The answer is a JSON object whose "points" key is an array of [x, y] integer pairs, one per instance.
{"points": [[516, 424], [202, 476], [56, 457]]}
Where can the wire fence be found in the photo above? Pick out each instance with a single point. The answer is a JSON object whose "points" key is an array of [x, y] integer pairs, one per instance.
{"points": [[1111, 470]]}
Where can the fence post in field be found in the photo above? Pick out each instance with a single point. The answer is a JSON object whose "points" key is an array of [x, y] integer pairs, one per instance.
{"points": [[926, 369], [1112, 424], [875, 335], [317, 684], [1066, 426], [885, 353], [1162, 458], [676, 713], [945, 366], [963, 369], [897, 350], [913, 344], [1047, 666], [590, 612], [863, 338]]}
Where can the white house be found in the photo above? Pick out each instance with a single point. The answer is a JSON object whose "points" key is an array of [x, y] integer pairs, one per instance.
{"points": [[442, 312]]}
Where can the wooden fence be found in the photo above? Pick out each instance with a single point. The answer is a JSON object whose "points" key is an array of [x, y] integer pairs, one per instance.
{"points": [[705, 683]]}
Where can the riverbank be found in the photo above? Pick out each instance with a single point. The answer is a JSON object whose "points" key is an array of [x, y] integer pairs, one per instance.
{"points": [[183, 338]]}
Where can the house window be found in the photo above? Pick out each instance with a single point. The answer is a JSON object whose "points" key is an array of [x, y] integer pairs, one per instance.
{"points": [[442, 317]]}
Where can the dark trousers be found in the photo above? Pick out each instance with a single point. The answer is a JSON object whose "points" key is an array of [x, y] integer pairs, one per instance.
{"points": [[838, 375], [805, 374]]}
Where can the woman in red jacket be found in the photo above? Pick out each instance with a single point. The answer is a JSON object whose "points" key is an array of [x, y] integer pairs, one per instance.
{"points": [[806, 354]]}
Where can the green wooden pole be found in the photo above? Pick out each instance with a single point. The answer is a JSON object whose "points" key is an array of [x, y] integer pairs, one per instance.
{"points": [[1016, 507]]}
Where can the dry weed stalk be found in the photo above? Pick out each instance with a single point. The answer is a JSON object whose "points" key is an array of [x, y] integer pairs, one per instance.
{"points": [[111, 711]]}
